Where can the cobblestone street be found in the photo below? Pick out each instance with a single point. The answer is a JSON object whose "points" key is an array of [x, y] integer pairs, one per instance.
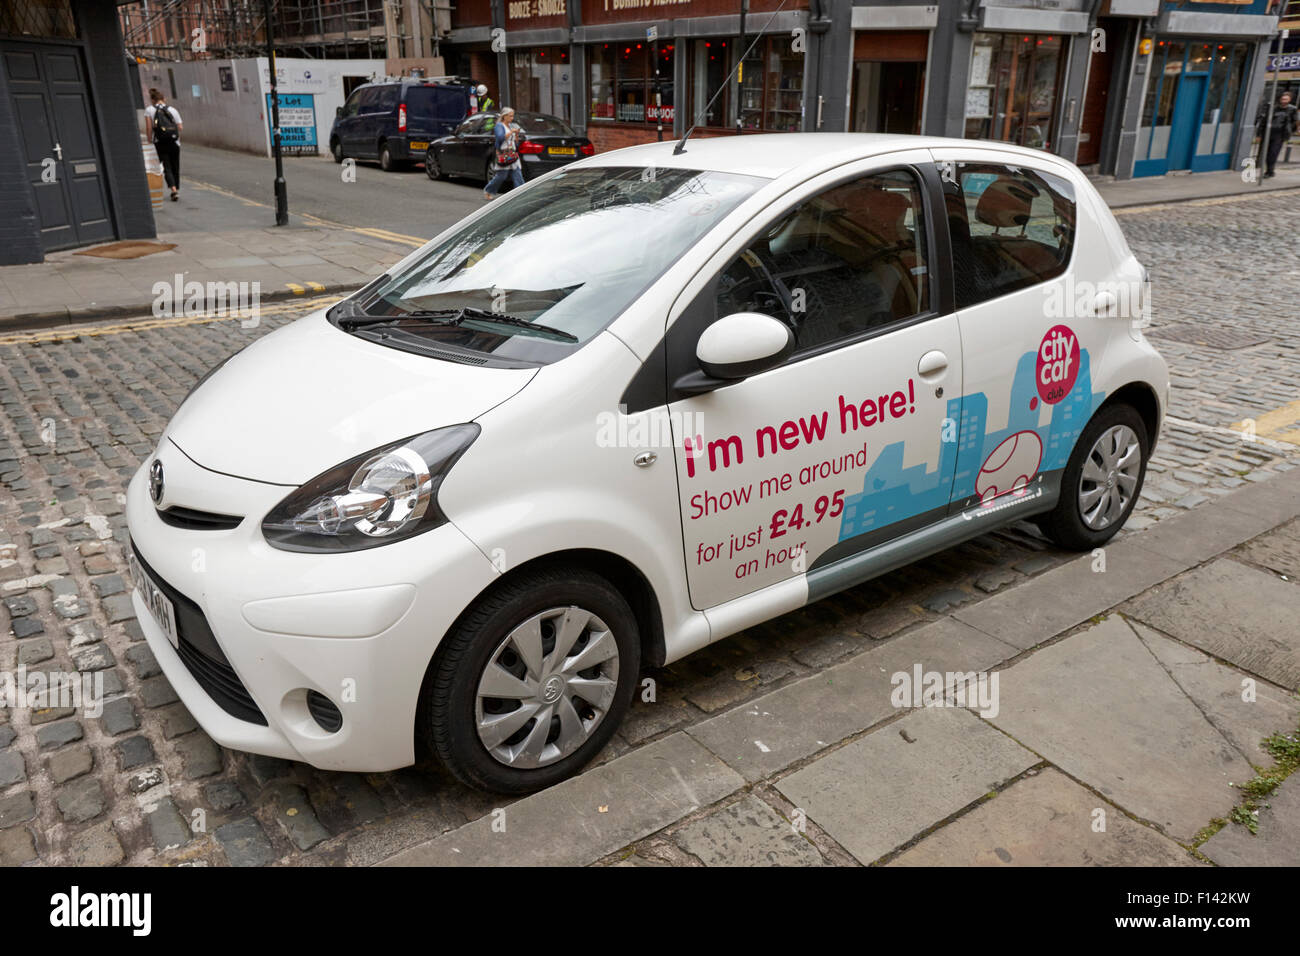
{"points": [[141, 783]]}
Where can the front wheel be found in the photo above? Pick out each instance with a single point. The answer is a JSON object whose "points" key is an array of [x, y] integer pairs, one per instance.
{"points": [[336, 148], [533, 682], [431, 167], [1101, 482]]}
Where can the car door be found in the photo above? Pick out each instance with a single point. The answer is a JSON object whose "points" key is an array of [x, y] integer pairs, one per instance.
{"points": [[842, 447], [345, 125], [454, 151], [1034, 334], [357, 143]]}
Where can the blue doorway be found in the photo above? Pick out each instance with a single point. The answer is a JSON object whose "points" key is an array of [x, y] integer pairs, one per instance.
{"points": [[1187, 119]]}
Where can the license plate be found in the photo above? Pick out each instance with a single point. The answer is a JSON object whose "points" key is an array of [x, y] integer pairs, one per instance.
{"points": [[419, 146], [563, 151], [160, 606]]}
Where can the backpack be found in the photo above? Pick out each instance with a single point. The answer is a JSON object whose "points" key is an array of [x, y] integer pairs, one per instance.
{"points": [[164, 125]]}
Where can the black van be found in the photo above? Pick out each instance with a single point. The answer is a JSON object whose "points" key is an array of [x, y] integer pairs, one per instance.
{"points": [[394, 120]]}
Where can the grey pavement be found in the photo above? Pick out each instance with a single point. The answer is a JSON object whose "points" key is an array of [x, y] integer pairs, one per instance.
{"points": [[685, 780]]}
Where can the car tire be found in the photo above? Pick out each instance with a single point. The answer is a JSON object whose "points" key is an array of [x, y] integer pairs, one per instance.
{"points": [[336, 148], [1102, 480], [431, 167], [386, 162], [488, 172], [506, 642]]}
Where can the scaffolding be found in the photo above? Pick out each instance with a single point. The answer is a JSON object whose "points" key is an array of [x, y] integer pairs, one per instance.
{"points": [[229, 29]]}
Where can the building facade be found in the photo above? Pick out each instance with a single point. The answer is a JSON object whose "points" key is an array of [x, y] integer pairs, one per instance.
{"points": [[74, 174], [1125, 87]]}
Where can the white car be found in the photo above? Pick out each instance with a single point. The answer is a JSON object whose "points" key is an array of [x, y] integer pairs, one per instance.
{"points": [[645, 402]]}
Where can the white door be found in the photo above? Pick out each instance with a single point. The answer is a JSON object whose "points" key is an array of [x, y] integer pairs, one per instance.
{"points": [[1030, 271], [842, 446]]}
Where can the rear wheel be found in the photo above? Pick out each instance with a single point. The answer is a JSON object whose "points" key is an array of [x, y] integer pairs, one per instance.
{"points": [[386, 161], [1102, 480], [533, 682]]}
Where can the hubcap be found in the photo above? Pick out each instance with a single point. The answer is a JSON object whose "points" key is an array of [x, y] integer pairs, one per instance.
{"points": [[546, 687], [1110, 477]]}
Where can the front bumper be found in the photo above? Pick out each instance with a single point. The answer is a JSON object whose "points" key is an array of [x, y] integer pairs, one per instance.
{"points": [[359, 628]]}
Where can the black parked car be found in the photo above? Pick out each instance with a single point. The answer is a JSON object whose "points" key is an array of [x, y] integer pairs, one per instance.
{"points": [[393, 121], [470, 151]]}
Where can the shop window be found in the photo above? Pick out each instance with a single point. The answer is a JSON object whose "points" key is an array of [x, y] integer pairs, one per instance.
{"points": [[1189, 115], [1011, 228], [770, 85], [1014, 82], [710, 66], [847, 261], [624, 84], [540, 81]]}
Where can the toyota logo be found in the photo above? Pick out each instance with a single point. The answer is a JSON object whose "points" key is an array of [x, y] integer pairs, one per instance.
{"points": [[156, 482]]}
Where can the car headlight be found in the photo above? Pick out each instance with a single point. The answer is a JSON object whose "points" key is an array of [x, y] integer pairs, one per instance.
{"points": [[384, 495]]}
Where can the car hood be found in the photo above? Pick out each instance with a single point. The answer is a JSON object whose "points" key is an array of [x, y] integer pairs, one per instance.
{"points": [[308, 396]]}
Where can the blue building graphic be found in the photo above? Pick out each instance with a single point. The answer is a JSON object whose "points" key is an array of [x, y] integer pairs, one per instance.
{"points": [[891, 492]]}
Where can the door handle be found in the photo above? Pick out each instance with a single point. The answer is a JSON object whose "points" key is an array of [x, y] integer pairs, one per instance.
{"points": [[932, 364]]}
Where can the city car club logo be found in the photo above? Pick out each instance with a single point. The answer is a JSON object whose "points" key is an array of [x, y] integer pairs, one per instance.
{"points": [[156, 481]]}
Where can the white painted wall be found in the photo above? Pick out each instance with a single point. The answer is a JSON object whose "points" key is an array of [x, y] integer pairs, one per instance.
{"points": [[236, 119]]}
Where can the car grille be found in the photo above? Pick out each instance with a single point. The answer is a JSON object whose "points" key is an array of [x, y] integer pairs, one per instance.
{"points": [[194, 520], [202, 655]]}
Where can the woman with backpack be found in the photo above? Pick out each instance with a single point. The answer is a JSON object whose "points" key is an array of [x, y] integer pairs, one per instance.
{"points": [[507, 147], [163, 124]]}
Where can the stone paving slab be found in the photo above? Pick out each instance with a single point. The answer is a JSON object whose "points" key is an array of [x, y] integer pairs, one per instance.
{"points": [[1045, 820], [1278, 551], [747, 833], [1069, 595], [1101, 707], [1218, 690], [876, 793], [1198, 536], [1278, 840], [1234, 612], [774, 731], [591, 815]]}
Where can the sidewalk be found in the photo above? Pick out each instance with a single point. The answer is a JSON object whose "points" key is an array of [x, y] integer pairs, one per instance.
{"points": [[1181, 187], [1134, 692], [219, 237]]}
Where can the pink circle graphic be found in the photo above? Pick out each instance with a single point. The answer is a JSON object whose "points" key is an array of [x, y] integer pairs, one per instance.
{"points": [[1057, 364]]}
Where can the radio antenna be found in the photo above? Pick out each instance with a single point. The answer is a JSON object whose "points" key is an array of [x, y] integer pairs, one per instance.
{"points": [[681, 145]]}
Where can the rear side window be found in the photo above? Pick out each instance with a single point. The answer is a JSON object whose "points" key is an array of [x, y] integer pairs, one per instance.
{"points": [[388, 98], [1012, 228]]}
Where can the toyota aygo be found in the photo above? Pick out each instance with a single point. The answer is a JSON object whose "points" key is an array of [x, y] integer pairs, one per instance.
{"points": [[645, 402]]}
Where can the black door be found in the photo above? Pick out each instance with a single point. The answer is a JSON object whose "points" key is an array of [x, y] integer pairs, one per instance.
{"points": [[59, 143]]}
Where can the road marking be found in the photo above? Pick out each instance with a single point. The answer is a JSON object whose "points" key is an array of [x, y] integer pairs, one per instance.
{"points": [[1239, 430], [373, 232], [302, 306], [315, 287], [295, 288], [1281, 425]]}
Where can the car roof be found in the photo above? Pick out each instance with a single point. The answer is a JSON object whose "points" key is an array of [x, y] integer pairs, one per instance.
{"points": [[771, 155]]}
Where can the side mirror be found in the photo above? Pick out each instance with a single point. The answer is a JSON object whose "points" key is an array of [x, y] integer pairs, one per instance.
{"points": [[738, 346], [338, 111]]}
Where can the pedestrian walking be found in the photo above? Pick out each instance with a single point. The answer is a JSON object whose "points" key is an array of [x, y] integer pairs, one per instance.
{"points": [[163, 124], [507, 148], [1282, 129]]}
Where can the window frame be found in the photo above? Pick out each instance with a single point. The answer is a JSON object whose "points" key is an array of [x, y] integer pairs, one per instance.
{"points": [[682, 335], [1006, 162]]}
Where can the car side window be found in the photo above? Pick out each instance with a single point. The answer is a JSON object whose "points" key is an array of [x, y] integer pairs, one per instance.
{"points": [[367, 100], [350, 108], [470, 126], [388, 97], [846, 261], [1012, 227]]}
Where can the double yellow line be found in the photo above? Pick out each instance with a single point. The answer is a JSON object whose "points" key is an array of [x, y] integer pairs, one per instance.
{"points": [[144, 325]]}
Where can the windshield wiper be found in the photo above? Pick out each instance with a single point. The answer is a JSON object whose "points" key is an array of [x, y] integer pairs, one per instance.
{"points": [[456, 317]]}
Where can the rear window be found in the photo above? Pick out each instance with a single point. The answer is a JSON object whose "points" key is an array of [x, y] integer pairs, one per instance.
{"points": [[1012, 227], [543, 125]]}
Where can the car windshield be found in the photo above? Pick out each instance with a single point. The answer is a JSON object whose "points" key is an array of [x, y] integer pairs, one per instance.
{"points": [[539, 124], [569, 253]]}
